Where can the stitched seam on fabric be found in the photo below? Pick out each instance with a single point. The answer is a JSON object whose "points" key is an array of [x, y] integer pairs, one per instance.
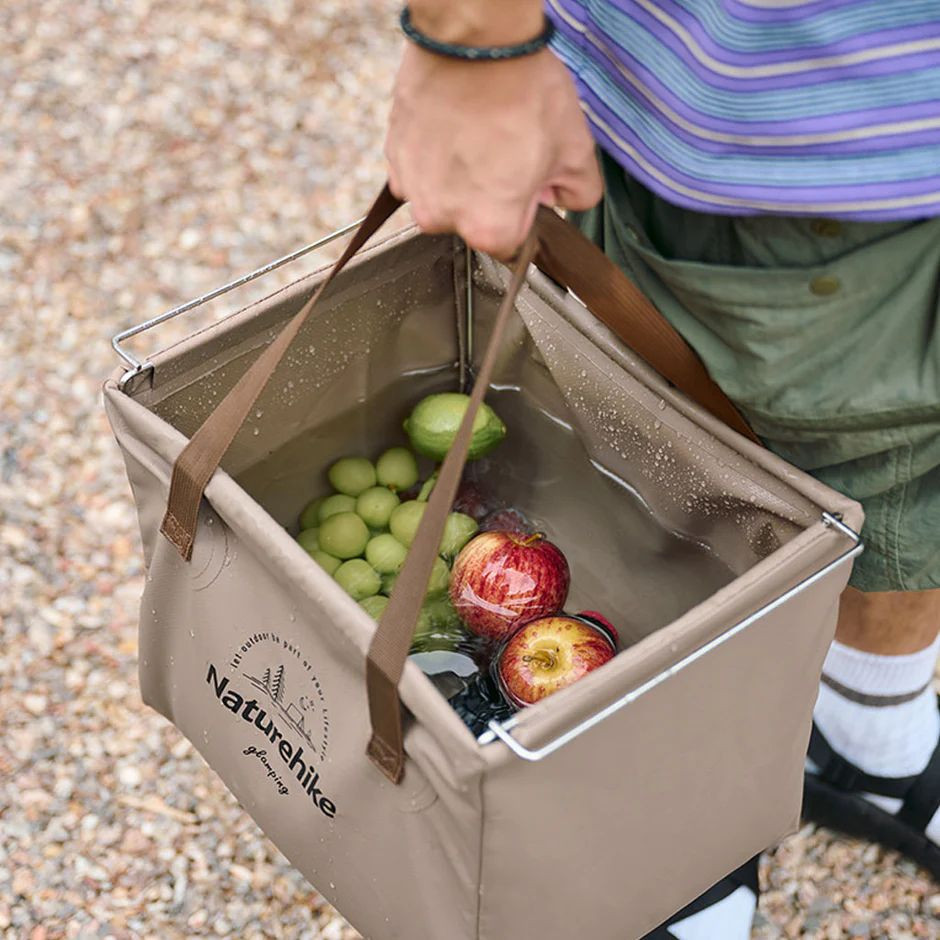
{"points": [[898, 515], [889, 527], [868, 421], [805, 275], [811, 302], [174, 530]]}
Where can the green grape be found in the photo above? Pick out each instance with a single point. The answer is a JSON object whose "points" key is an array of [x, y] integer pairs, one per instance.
{"points": [[458, 530], [405, 520], [337, 503], [311, 514], [309, 540], [358, 579], [443, 615], [344, 535], [374, 606], [352, 475], [397, 469], [424, 627], [326, 561], [386, 554], [440, 577], [375, 505], [438, 626]]}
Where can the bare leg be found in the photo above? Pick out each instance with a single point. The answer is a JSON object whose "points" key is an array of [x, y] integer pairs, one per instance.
{"points": [[890, 623]]}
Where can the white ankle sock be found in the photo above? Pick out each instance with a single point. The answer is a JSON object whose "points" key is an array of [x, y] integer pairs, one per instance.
{"points": [[880, 712], [729, 919]]}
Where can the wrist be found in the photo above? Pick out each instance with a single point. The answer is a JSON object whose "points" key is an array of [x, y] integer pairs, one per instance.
{"points": [[478, 22]]}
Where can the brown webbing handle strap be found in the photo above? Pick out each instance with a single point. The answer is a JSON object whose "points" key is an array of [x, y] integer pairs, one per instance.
{"points": [[392, 639], [200, 458], [566, 256], [569, 258]]}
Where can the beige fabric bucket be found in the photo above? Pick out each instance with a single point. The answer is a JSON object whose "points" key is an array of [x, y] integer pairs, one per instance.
{"points": [[598, 812]]}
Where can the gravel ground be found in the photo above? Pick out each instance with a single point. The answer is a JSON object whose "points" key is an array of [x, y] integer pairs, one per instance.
{"points": [[149, 151]]}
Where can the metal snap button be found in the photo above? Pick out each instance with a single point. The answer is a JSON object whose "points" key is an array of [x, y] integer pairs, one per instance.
{"points": [[827, 228], [824, 285]]}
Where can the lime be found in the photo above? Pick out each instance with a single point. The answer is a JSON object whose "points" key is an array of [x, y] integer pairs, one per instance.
{"points": [[352, 475], [309, 540], [386, 554], [326, 561], [358, 579], [374, 606], [344, 535], [311, 514], [397, 469], [458, 530], [405, 520], [334, 504], [375, 505], [433, 425]]}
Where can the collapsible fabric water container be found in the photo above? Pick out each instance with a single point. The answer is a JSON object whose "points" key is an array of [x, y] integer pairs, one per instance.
{"points": [[606, 807]]}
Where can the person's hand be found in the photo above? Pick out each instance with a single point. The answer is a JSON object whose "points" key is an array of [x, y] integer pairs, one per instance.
{"points": [[475, 147]]}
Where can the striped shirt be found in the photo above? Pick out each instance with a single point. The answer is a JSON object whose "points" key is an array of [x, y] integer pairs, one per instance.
{"points": [[816, 107]]}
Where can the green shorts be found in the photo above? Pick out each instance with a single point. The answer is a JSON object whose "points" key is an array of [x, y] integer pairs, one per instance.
{"points": [[826, 335]]}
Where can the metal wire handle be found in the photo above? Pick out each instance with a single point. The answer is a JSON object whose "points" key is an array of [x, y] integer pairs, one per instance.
{"points": [[136, 367]]}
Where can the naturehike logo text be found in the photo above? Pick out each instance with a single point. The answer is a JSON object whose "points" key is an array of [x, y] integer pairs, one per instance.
{"points": [[291, 754]]}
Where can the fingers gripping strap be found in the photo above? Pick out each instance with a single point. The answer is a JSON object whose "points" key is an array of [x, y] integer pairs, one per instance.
{"points": [[201, 456], [392, 639], [569, 258]]}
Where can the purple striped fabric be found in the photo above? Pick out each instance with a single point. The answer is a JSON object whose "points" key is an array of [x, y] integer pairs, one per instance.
{"points": [[747, 106]]}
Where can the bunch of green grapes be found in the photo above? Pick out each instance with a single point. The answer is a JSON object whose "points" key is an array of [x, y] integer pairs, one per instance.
{"points": [[361, 533]]}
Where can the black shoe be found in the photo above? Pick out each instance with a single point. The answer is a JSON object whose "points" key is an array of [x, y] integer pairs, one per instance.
{"points": [[743, 879], [832, 797]]}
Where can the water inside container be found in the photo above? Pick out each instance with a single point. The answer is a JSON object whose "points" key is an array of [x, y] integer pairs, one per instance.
{"points": [[624, 563]]}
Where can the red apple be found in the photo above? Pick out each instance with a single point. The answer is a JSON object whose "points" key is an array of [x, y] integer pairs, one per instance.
{"points": [[548, 654], [471, 501], [507, 520], [501, 579], [599, 620]]}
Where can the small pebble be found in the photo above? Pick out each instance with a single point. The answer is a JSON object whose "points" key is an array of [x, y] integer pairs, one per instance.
{"points": [[129, 776], [150, 152]]}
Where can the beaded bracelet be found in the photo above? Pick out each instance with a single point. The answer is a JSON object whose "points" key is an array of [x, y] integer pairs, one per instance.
{"points": [[475, 53]]}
